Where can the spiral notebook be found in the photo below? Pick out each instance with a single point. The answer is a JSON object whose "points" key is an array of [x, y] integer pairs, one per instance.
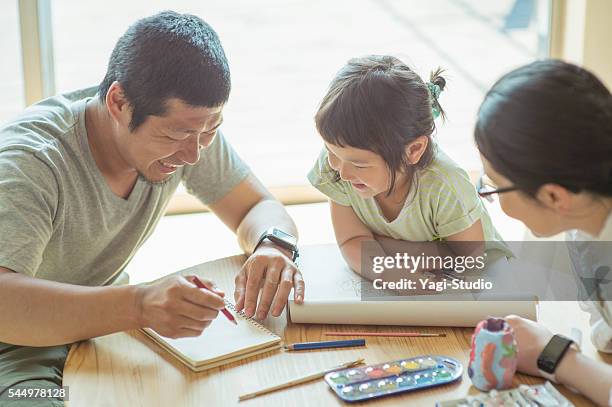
{"points": [[222, 342]]}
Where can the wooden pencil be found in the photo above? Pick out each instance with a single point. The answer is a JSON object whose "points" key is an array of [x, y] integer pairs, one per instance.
{"points": [[303, 379], [224, 310], [398, 334], [325, 344]]}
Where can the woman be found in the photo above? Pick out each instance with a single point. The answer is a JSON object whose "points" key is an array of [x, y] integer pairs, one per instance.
{"points": [[544, 132]]}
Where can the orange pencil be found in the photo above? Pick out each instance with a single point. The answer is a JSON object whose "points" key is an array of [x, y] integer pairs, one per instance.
{"points": [[399, 334], [225, 312]]}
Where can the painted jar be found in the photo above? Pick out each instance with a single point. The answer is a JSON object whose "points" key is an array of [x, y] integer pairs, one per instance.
{"points": [[493, 357]]}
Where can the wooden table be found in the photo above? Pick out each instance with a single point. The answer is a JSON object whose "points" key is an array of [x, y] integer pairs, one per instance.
{"points": [[127, 369]]}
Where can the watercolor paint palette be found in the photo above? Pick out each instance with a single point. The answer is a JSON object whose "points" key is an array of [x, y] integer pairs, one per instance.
{"points": [[383, 379]]}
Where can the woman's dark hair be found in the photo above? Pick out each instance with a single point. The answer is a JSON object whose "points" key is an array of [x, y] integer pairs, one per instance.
{"points": [[168, 55], [379, 104], [549, 122]]}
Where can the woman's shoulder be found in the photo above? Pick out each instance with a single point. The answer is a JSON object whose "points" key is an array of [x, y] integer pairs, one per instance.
{"points": [[605, 235]]}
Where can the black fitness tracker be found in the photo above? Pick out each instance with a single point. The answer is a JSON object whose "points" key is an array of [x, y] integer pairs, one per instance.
{"points": [[552, 354], [283, 239]]}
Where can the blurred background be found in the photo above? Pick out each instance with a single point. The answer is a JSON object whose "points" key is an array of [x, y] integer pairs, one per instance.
{"points": [[283, 54]]}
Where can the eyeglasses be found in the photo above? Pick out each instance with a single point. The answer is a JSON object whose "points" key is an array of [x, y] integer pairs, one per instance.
{"points": [[486, 188]]}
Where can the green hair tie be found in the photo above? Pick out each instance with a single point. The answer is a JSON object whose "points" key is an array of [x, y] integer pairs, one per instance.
{"points": [[435, 91]]}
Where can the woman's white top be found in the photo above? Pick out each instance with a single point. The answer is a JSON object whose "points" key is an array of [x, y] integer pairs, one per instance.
{"points": [[591, 258]]}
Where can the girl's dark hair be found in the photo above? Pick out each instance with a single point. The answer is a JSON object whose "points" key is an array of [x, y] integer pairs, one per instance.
{"points": [[377, 103], [168, 55], [549, 122]]}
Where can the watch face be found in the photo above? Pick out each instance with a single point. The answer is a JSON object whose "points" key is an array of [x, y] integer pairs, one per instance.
{"points": [[553, 352], [285, 237]]}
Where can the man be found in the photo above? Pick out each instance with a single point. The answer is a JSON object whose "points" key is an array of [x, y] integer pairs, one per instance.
{"points": [[84, 179]]}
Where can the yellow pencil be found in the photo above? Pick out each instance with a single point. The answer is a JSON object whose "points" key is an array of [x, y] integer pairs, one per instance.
{"points": [[300, 380]]}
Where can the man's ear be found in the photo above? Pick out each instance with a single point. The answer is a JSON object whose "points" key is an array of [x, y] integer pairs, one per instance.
{"points": [[416, 149], [118, 106], [555, 197]]}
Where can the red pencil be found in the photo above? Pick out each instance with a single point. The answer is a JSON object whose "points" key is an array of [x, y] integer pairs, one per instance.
{"points": [[401, 334], [225, 312]]}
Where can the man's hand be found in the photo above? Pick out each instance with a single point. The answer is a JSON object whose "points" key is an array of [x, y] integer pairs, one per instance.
{"points": [[175, 307], [531, 338], [271, 270]]}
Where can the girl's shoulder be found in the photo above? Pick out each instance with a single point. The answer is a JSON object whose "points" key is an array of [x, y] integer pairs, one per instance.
{"points": [[444, 173], [322, 173], [326, 180]]}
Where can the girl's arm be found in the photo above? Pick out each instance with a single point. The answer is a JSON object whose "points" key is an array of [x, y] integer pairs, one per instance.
{"points": [[350, 234], [469, 242]]}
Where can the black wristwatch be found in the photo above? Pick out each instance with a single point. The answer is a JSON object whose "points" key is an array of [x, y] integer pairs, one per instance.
{"points": [[283, 239], [552, 354]]}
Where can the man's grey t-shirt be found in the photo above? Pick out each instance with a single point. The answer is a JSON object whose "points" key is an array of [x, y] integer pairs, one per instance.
{"points": [[60, 221]]}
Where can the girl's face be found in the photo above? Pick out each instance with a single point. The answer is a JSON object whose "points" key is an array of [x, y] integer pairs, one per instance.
{"points": [[367, 172], [540, 218]]}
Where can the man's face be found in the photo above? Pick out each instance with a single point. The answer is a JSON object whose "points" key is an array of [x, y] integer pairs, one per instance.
{"points": [[162, 144]]}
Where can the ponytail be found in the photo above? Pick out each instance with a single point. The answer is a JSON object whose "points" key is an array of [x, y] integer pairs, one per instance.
{"points": [[436, 85]]}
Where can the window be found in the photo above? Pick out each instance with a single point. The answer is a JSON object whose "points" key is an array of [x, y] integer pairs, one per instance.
{"points": [[11, 85], [284, 54]]}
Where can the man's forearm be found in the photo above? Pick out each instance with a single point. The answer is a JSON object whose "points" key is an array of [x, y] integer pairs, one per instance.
{"points": [[263, 215], [35, 312]]}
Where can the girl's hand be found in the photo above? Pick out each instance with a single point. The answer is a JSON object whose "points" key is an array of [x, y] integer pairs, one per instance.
{"points": [[531, 338]]}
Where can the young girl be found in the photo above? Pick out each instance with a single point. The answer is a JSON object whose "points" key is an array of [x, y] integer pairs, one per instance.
{"points": [[383, 173]]}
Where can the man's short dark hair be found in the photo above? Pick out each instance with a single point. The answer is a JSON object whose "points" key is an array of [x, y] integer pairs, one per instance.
{"points": [[168, 55]]}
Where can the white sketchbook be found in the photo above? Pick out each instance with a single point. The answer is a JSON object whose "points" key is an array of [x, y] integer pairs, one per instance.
{"points": [[222, 342], [333, 296]]}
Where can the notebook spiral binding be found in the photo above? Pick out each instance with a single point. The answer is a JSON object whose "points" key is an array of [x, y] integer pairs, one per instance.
{"points": [[251, 320]]}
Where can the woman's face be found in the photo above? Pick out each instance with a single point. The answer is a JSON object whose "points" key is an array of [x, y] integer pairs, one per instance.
{"points": [[541, 219]]}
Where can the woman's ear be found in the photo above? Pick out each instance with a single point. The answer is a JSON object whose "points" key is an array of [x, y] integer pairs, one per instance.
{"points": [[416, 149], [555, 197]]}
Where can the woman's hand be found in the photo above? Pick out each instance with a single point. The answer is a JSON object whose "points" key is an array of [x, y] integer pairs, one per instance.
{"points": [[531, 338]]}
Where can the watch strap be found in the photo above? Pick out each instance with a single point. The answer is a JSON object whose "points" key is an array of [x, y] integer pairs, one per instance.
{"points": [[269, 234], [548, 376]]}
